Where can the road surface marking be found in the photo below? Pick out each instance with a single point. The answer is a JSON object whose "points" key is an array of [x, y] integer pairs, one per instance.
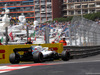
{"points": [[9, 68]]}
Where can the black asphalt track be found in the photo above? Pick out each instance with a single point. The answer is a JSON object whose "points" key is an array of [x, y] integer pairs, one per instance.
{"points": [[84, 66]]}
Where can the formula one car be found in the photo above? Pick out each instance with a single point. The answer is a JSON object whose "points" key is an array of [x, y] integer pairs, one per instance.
{"points": [[36, 54]]}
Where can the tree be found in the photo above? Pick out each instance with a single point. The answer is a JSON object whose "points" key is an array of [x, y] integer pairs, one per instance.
{"points": [[63, 19], [92, 16]]}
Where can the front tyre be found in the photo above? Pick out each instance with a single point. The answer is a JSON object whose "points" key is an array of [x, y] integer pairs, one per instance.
{"points": [[38, 57], [14, 58], [65, 56]]}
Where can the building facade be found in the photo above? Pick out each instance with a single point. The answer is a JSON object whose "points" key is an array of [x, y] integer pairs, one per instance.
{"points": [[46, 10], [80, 7], [40, 10]]}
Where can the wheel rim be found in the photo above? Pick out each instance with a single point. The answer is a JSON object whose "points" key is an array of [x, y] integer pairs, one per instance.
{"points": [[40, 57]]}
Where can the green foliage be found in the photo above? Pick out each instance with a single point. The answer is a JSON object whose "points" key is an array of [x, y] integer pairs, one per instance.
{"points": [[48, 22], [92, 16], [63, 19]]}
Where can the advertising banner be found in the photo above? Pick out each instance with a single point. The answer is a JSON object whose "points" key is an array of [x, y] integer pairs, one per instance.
{"points": [[6, 50]]}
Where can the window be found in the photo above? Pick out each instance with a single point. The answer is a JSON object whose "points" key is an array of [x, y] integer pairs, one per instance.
{"points": [[48, 0]]}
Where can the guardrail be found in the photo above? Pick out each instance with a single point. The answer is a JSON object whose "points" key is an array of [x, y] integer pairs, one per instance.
{"points": [[82, 51]]}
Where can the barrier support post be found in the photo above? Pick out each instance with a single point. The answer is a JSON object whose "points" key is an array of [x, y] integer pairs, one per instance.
{"points": [[27, 33], [6, 30]]}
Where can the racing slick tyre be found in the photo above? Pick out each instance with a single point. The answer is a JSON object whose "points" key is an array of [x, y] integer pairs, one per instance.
{"points": [[56, 55], [14, 58], [38, 57], [65, 56]]}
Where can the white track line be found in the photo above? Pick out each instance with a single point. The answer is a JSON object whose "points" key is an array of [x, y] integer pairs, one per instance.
{"points": [[4, 69]]}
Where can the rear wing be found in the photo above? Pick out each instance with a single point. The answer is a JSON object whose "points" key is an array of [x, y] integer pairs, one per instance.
{"points": [[21, 49]]}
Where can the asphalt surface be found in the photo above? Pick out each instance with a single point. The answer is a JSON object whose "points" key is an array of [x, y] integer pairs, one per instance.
{"points": [[84, 66]]}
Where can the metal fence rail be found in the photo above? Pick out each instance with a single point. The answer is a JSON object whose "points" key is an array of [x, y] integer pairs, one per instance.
{"points": [[82, 51]]}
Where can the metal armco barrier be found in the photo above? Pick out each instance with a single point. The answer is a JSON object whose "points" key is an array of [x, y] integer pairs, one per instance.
{"points": [[82, 51]]}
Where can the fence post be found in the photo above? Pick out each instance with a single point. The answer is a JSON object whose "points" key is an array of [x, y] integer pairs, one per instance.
{"points": [[46, 35], [6, 30], [70, 38], [80, 37], [75, 37], [27, 32]]}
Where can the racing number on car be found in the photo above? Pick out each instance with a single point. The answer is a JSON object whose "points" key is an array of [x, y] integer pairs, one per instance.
{"points": [[53, 48], [2, 54]]}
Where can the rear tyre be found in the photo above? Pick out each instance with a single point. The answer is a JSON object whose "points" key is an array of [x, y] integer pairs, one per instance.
{"points": [[56, 55], [14, 58], [65, 56], [38, 57]]}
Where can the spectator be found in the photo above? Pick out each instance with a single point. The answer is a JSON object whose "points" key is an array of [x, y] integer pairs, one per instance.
{"points": [[29, 41], [63, 41], [52, 42]]}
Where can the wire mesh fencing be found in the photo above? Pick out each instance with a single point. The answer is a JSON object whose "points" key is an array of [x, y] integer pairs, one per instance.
{"points": [[84, 32]]}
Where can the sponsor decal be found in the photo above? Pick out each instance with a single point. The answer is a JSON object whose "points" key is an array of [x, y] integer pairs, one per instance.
{"points": [[2, 54], [53, 48]]}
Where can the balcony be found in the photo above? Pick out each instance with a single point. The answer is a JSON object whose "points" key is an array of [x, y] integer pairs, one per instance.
{"points": [[1, 4], [48, 3], [27, 15], [37, 4], [18, 4], [97, 5], [43, 0], [85, 12], [71, 13], [21, 9], [48, 9], [12, 5], [25, 4], [43, 20], [37, 15], [22, 12], [84, 6], [31, 3], [91, 3], [49, 19], [43, 15], [49, 15], [42, 3], [37, 0], [37, 9], [67, 15], [38, 19], [43, 12]]}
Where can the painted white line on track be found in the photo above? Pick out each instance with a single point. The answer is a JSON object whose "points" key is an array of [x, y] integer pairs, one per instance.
{"points": [[4, 69], [9, 68], [1, 67]]}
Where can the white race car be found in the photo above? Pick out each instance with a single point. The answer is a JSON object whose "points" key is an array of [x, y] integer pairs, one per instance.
{"points": [[36, 54]]}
